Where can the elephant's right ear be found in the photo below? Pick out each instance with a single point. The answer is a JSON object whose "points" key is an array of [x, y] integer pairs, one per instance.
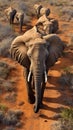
{"points": [[55, 47], [18, 52]]}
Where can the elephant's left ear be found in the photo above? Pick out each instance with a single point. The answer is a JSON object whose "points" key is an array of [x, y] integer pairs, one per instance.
{"points": [[18, 51], [55, 48]]}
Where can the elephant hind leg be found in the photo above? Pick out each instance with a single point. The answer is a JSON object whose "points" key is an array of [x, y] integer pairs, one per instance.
{"points": [[31, 98]]}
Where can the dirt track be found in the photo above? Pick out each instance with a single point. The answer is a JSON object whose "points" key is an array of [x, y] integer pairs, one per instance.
{"points": [[53, 96]]}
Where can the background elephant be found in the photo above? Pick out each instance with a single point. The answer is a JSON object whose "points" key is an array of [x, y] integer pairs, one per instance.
{"points": [[40, 10], [37, 56], [13, 14], [10, 13], [50, 25]]}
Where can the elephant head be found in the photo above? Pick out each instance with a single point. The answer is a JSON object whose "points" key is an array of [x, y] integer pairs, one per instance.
{"points": [[38, 56]]}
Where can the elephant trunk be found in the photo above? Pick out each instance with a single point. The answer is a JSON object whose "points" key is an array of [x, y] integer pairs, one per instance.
{"points": [[39, 71], [37, 82]]}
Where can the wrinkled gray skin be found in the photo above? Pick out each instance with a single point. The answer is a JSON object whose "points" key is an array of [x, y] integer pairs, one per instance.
{"points": [[37, 56]]}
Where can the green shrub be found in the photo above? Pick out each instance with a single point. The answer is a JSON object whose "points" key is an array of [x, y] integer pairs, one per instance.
{"points": [[67, 114], [67, 69], [3, 107]]}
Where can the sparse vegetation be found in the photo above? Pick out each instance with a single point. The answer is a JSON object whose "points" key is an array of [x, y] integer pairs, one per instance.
{"points": [[66, 120], [3, 107], [12, 84], [67, 114], [67, 69]]}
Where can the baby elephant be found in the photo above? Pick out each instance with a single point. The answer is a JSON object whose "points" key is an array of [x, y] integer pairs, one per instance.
{"points": [[12, 14]]}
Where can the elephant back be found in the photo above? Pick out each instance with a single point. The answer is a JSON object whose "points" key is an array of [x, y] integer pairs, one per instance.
{"points": [[31, 34]]}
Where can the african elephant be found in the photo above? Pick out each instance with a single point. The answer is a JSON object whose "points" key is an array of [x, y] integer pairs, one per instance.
{"points": [[40, 10], [10, 13], [50, 25], [36, 55], [13, 14]]}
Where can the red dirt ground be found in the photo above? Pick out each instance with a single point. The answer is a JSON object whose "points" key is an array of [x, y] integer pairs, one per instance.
{"points": [[53, 96]]}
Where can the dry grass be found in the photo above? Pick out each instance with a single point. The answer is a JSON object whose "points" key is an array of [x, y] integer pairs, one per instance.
{"points": [[6, 37]]}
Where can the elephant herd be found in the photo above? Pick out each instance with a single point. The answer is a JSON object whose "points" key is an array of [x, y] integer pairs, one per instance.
{"points": [[37, 50]]}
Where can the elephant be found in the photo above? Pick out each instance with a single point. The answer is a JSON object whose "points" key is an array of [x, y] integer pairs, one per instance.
{"points": [[40, 10], [10, 13], [50, 25], [36, 54], [13, 14]]}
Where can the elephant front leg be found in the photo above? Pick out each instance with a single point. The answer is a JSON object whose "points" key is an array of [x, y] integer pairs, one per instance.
{"points": [[31, 98]]}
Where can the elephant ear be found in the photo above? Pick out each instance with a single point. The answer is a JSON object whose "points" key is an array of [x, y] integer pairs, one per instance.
{"points": [[18, 52], [55, 48]]}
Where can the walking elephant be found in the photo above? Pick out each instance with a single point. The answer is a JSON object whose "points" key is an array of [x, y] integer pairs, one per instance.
{"points": [[13, 14], [10, 13], [36, 56], [50, 25], [40, 10]]}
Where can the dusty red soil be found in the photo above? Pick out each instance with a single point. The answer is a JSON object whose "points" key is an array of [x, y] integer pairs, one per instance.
{"points": [[53, 96]]}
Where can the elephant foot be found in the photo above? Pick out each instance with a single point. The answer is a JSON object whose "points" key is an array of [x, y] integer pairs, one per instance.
{"points": [[31, 99], [36, 108], [41, 105]]}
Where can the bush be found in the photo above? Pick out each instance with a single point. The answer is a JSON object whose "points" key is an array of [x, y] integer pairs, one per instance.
{"points": [[3, 107], [67, 114]]}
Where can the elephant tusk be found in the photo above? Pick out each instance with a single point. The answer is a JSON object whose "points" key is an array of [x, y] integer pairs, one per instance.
{"points": [[45, 76], [29, 75]]}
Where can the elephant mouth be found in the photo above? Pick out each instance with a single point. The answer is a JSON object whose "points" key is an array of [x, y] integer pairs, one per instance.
{"points": [[30, 73]]}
